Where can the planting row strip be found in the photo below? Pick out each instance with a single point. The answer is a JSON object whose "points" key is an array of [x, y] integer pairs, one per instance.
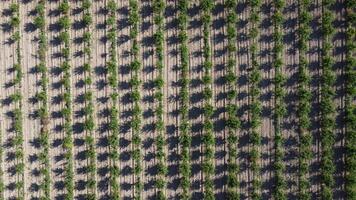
{"points": [[112, 66], [279, 94], [135, 82], [208, 138], [42, 98], [255, 104], [184, 126], [158, 11], [350, 108], [88, 110], [232, 121], [304, 101], [67, 112], [16, 98], [327, 110]]}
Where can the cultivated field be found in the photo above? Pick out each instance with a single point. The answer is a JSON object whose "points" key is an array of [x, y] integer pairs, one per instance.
{"points": [[177, 99]]}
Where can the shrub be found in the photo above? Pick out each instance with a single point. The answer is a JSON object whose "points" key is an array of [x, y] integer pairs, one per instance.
{"points": [[64, 37], [40, 9], [39, 22], [135, 65], [111, 6], [89, 124], [16, 96], [159, 82], [86, 37], [64, 22], [87, 19], [14, 8], [14, 21], [135, 96], [64, 7]]}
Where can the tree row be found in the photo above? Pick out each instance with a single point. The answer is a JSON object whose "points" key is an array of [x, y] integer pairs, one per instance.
{"points": [[158, 14], [327, 109], [42, 98], [16, 100], [67, 111], [232, 121]]}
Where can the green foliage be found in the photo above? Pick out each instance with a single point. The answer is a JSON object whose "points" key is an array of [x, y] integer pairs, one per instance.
{"points": [[280, 109], [14, 21], [89, 124], [87, 81], [14, 8], [39, 22], [158, 9], [111, 6], [135, 96], [254, 108], [65, 52], [17, 141], [40, 9], [304, 106], [86, 37], [327, 111], [232, 122], [86, 4], [185, 138], [64, 22], [16, 97], [135, 65], [64, 7], [87, 19], [350, 109], [64, 37], [208, 137], [41, 96], [159, 82], [113, 82], [16, 36], [19, 168]]}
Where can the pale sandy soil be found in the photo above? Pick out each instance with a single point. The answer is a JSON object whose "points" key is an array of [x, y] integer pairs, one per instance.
{"points": [[242, 91], [101, 91], [29, 90], [148, 74], [54, 91], [219, 56], [171, 76], [124, 60], [7, 61], [195, 44]]}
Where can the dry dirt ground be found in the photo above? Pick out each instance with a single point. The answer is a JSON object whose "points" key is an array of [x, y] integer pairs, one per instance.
{"points": [[100, 47]]}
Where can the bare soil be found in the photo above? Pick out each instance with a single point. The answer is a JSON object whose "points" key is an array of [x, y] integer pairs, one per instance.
{"points": [[101, 91]]}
